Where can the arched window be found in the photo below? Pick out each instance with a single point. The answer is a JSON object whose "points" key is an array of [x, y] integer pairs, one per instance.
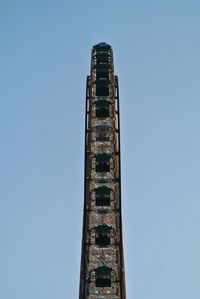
{"points": [[102, 108], [102, 196], [102, 235], [103, 276], [103, 162], [103, 132], [103, 57], [102, 88], [102, 71]]}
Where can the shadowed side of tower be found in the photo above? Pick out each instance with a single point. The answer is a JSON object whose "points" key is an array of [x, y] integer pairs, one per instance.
{"points": [[102, 261]]}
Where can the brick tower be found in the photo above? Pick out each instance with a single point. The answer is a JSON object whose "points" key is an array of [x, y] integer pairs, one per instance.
{"points": [[102, 261]]}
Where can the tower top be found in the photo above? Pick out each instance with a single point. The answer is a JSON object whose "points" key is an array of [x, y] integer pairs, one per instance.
{"points": [[102, 44]]}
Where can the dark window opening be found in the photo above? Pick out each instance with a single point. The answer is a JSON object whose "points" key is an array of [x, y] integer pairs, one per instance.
{"points": [[102, 57], [102, 235], [102, 196], [102, 71], [102, 64], [102, 108], [103, 163], [103, 132], [103, 276], [102, 75], [102, 88], [102, 67]]}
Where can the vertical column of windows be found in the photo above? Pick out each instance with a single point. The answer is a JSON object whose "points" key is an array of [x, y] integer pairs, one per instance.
{"points": [[103, 160]]}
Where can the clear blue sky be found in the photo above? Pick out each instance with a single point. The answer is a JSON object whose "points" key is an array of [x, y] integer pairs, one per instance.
{"points": [[44, 59]]}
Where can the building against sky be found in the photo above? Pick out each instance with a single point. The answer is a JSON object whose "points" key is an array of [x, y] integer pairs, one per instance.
{"points": [[102, 261]]}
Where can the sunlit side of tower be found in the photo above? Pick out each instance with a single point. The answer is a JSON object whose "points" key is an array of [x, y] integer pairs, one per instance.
{"points": [[102, 262]]}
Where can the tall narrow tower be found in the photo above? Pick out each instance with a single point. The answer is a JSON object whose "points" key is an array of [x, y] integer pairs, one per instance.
{"points": [[102, 262]]}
